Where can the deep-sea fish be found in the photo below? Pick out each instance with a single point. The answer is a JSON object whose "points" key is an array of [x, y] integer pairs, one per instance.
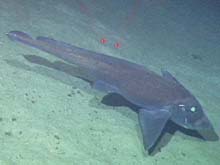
{"points": [[159, 98]]}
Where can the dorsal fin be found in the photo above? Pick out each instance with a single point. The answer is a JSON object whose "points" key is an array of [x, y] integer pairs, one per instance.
{"points": [[168, 76]]}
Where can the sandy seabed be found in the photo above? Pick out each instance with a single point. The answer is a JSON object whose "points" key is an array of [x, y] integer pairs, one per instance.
{"points": [[49, 117]]}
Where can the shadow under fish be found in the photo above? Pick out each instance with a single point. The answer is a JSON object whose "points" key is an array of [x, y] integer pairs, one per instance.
{"points": [[158, 100]]}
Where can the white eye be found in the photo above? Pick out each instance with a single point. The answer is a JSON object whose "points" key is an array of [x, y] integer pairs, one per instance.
{"points": [[193, 109]]}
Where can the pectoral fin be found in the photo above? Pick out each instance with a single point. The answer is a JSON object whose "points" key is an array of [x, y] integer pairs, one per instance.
{"points": [[152, 123]]}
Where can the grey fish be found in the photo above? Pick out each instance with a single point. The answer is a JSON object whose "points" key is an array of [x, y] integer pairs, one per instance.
{"points": [[160, 98]]}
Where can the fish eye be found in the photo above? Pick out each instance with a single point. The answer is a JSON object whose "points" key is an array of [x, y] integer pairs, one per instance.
{"points": [[193, 109]]}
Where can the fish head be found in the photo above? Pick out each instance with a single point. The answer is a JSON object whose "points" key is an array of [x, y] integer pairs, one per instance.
{"points": [[189, 114]]}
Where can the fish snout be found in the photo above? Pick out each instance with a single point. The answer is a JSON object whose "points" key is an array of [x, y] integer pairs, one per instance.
{"points": [[204, 127], [203, 123]]}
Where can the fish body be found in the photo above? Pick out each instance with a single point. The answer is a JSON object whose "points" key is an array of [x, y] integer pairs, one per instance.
{"points": [[159, 97]]}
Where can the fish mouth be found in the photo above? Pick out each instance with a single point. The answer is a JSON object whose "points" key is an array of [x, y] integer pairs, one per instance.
{"points": [[204, 127]]}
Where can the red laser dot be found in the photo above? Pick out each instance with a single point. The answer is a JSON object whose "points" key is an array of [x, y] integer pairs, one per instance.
{"points": [[103, 41], [117, 45]]}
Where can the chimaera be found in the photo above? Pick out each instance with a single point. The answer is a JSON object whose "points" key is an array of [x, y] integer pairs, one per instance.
{"points": [[160, 98]]}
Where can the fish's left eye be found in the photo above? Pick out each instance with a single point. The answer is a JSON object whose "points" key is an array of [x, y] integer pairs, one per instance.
{"points": [[193, 109]]}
